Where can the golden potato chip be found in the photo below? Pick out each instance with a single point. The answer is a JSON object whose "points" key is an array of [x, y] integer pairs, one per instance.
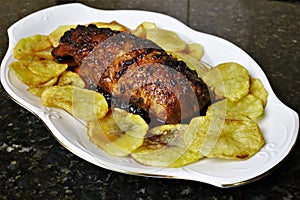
{"points": [[28, 46], [81, 103], [188, 157], [41, 43], [55, 35], [39, 89], [45, 54], [160, 136], [47, 68], [210, 127], [22, 72], [258, 90], [237, 139], [140, 31], [192, 63], [230, 80], [70, 78], [114, 25], [118, 133], [249, 106], [29, 59], [164, 147], [166, 39], [51, 82], [195, 50]]}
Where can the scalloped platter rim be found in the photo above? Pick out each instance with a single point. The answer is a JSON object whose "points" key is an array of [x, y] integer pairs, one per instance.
{"points": [[280, 124]]}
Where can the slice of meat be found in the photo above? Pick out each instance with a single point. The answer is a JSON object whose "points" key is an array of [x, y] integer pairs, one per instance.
{"points": [[136, 74]]}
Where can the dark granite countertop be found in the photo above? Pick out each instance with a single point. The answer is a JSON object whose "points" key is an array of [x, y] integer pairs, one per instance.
{"points": [[33, 165]]}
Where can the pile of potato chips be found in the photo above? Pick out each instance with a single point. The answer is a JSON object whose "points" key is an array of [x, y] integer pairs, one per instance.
{"points": [[227, 131]]}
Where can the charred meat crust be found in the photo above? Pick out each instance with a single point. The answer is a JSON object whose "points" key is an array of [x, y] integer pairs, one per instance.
{"points": [[134, 74], [75, 44]]}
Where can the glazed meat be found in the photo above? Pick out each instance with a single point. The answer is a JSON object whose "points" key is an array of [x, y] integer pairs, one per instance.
{"points": [[77, 43], [134, 74]]}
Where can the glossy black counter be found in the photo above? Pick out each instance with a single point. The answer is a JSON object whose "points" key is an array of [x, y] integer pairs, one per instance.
{"points": [[33, 165]]}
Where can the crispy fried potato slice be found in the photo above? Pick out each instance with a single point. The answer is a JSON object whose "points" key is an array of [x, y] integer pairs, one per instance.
{"points": [[22, 72], [29, 59], [210, 127], [45, 54], [39, 89], [195, 50], [258, 90], [114, 25], [81, 103], [55, 35], [48, 68], [236, 139], [70, 78], [140, 31], [118, 133], [51, 82], [249, 106], [230, 80], [240, 139], [28, 46], [166, 39], [192, 63], [165, 147]]}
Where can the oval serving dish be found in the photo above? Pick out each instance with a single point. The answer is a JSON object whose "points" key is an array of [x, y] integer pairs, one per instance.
{"points": [[279, 125]]}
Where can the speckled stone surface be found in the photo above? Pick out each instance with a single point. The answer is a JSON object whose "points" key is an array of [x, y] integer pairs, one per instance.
{"points": [[33, 165]]}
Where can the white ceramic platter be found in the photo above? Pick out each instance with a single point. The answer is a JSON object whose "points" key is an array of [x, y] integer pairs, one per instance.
{"points": [[280, 124]]}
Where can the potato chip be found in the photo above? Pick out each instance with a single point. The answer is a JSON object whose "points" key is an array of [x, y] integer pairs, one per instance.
{"points": [[230, 80], [28, 46], [22, 72], [81, 103], [166, 39], [39, 89], [165, 147], [70, 78], [114, 25], [237, 139], [249, 106], [187, 157], [45, 54], [118, 133], [195, 50], [210, 126], [55, 35], [29, 59], [47, 68], [51, 82], [258, 90], [192, 63], [140, 31]]}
